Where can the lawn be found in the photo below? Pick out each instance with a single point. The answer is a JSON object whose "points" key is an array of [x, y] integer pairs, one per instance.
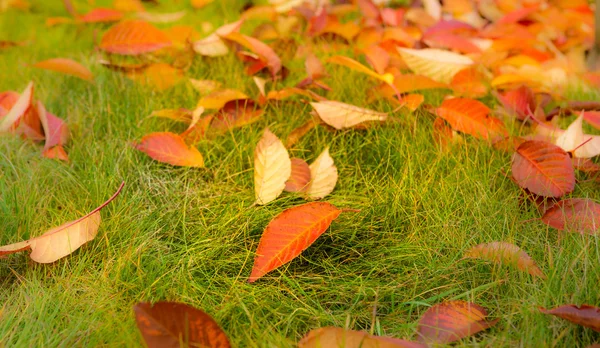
{"points": [[190, 234]]}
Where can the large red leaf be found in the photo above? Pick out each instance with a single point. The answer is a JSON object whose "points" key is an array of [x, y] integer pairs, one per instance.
{"points": [[450, 321], [574, 214], [472, 117], [133, 37], [543, 168], [288, 234], [171, 324], [170, 148], [585, 315]]}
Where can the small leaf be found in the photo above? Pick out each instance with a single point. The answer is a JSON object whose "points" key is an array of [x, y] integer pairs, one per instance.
{"points": [[172, 324], [340, 115], [160, 76], [213, 45], [291, 232], [574, 214], [518, 102], [585, 146], [234, 114], [502, 252], [62, 240], [356, 66], [66, 66], [217, 99], [543, 168], [338, 337], [584, 315], [55, 132], [170, 148], [300, 176], [258, 47], [301, 131], [436, 64], [101, 15], [272, 168], [133, 37], [450, 321], [324, 175], [18, 109], [472, 117]]}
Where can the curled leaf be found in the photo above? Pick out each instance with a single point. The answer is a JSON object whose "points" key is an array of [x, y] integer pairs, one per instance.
{"points": [[502, 252], [580, 215], [18, 109], [584, 315]]}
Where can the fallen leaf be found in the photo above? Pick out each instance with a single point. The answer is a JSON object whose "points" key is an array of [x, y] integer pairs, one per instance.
{"points": [[258, 47], [236, 113], [584, 315], [356, 66], [18, 109], [580, 215], [217, 99], [63, 240], [543, 168], [582, 145], [198, 4], [179, 115], [323, 174], [301, 131], [170, 148], [299, 177], [451, 321], [66, 66], [439, 65], [172, 324], [469, 83], [340, 115], [213, 45], [160, 17], [272, 168], [205, 86], [160, 76], [55, 132], [128, 5], [518, 102], [472, 117], [101, 15], [342, 338], [412, 101], [133, 37], [502, 252], [593, 118], [290, 233], [409, 83]]}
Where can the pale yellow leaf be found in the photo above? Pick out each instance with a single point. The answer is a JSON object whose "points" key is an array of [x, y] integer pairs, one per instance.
{"points": [[213, 45], [573, 138], [272, 168], [324, 176], [340, 115], [439, 65], [18, 109]]}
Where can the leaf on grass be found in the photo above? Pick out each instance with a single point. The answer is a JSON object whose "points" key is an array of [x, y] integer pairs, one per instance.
{"points": [[198, 4], [299, 177], [584, 315], [160, 17], [133, 37], [580, 215], [518, 102], [213, 45], [292, 91], [502, 252], [543, 168], [18, 109], [63, 240], [585, 146], [272, 168], [266, 53], [289, 233], [412, 101], [593, 118], [55, 132], [356, 66], [205, 86], [170, 148], [439, 65], [469, 83], [323, 174], [340, 115], [160, 76], [217, 99], [101, 15], [472, 117], [338, 337], [236, 113], [179, 115], [172, 324], [66, 66], [301, 131], [451, 321]]}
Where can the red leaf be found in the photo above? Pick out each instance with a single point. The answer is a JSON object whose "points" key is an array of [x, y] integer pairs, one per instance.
{"points": [[585, 315], [288, 234], [171, 325], [593, 118], [133, 37], [450, 321], [543, 168], [300, 176], [170, 148], [574, 214], [55, 129], [518, 102], [258, 47], [236, 113], [471, 116]]}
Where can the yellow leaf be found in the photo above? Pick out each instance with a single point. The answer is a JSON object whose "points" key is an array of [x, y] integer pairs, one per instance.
{"points": [[324, 176], [439, 65], [340, 115], [272, 168]]}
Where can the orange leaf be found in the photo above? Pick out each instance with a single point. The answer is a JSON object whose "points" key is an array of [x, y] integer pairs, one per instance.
{"points": [[288, 234], [301, 131], [55, 131], [236, 113], [217, 99], [172, 324], [341, 115], [300, 176], [574, 214], [502, 252], [258, 47], [450, 321], [101, 15], [471, 116], [170, 148], [134, 37], [469, 83], [356, 66], [62, 240], [338, 337], [160, 76], [543, 168], [412, 101], [66, 66], [18, 109], [585, 315]]}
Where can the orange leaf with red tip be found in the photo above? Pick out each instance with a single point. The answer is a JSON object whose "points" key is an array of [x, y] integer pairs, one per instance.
{"points": [[584, 315], [543, 168], [450, 321], [133, 37], [170, 148], [172, 324], [574, 214], [472, 117], [288, 234]]}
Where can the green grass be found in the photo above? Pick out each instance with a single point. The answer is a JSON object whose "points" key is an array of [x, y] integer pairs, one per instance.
{"points": [[189, 235]]}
